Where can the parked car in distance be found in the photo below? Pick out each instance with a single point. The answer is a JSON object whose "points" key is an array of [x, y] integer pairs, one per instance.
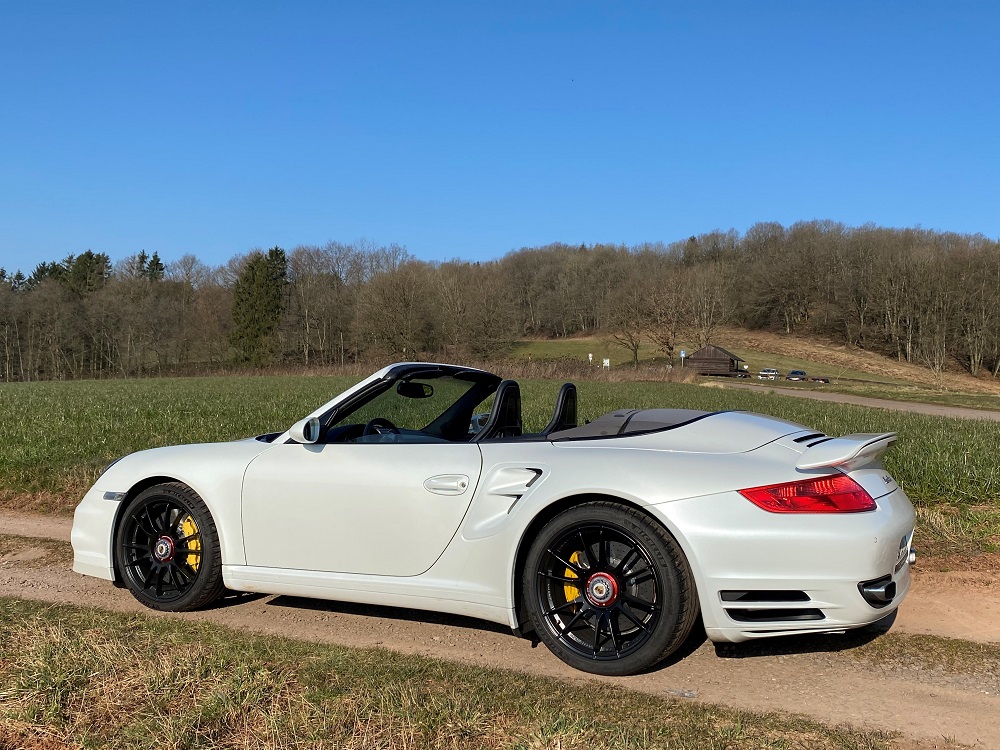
{"points": [[768, 373], [796, 375]]}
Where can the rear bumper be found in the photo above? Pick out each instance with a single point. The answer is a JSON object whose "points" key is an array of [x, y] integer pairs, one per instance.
{"points": [[836, 605], [765, 574]]}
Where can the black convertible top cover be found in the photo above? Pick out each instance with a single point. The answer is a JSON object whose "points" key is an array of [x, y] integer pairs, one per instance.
{"points": [[630, 422]]}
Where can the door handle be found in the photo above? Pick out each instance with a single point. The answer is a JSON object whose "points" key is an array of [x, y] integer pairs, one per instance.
{"points": [[447, 484]]}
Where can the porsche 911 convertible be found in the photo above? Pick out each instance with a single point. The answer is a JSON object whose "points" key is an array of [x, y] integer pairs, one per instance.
{"points": [[418, 488]]}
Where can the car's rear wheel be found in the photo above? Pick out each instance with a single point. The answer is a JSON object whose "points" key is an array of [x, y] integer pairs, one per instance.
{"points": [[167, 549], [608, 590]]}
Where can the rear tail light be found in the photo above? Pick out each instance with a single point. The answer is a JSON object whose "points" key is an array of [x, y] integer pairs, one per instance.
{"points": [[833, 494]]}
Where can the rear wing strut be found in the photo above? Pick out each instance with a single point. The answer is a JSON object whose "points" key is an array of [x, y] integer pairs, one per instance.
{"points": [[850, 451]]}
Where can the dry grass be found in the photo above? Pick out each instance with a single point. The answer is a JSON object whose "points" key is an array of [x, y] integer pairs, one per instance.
{"points": [[29, 552], [853, 358], [929, 653], [971, 531], [98, 679]]}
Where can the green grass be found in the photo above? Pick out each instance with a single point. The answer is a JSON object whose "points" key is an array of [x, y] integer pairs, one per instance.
{"points": [[57, 436], [108, 680]]}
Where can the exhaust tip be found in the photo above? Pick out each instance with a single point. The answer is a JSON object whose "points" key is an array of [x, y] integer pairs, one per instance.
{"points": [[879, 592]]}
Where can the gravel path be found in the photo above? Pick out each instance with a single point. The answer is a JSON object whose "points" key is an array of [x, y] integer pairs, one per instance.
{"points": [[817, 676], [937, 410]]}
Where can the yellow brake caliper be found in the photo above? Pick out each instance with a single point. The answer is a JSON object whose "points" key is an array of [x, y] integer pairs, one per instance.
{"points": [[571, 591], [189, 528]]}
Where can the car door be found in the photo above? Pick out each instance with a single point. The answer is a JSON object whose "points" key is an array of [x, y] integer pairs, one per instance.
{"points": [[375, 508]]}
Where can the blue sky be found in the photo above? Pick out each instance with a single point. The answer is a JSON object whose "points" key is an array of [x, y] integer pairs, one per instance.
{"points": [[470, 129]]}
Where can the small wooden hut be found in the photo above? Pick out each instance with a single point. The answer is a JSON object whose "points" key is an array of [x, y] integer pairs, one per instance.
{"points": [[713, 360]]}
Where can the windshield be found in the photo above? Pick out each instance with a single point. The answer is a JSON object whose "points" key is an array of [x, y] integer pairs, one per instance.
{"points": [[431, 404]]}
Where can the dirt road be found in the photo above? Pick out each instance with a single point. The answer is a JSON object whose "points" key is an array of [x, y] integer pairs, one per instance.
{"points": [[818, 676]]}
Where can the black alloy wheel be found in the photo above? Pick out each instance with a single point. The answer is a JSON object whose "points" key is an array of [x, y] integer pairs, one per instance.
{"points": [[167, 549], [608, 590]]}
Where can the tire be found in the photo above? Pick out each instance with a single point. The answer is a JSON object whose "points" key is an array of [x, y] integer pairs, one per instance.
{"points": [[167, 549], [608, 590]]}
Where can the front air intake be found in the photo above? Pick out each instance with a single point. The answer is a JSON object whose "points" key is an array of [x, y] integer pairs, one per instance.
{"points": [[764, 596], [775, 615]]}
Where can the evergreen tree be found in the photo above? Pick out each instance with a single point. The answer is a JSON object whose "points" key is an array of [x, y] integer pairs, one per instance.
{"points": [[43, 271], [86, 272], [258, 302], [154, 268]]}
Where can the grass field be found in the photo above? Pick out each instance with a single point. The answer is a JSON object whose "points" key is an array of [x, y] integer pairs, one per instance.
{"points": [[57, 436], [100, 679]]}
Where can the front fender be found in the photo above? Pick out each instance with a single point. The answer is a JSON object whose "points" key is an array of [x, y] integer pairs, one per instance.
{"points": [[213, 470]]}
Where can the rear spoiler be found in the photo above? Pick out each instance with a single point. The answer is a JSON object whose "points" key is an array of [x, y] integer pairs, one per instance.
{"points": [[849, 451]]}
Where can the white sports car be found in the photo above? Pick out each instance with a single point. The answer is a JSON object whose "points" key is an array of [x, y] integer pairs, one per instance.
{"points": [[418, 488]]}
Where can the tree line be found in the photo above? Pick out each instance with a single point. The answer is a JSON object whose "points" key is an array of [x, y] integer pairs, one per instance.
{"points": [[921, 296]]}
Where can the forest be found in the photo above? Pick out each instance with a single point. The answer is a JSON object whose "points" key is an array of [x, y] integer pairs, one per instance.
{"points": [[927, 297]]}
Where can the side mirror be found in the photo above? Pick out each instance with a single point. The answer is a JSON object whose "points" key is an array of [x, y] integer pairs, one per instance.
{"points": [[478, 422], [305, 430]]}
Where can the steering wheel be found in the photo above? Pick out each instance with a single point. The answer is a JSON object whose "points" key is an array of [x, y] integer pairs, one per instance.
{"points": [[380, 426]]}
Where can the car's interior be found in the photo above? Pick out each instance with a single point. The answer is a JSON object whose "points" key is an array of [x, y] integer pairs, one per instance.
{"points": [[449, 404], [435, 406]]}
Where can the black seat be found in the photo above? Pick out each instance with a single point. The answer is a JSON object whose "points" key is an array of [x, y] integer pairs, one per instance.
{"points": [[505, 418], [564, 417]]}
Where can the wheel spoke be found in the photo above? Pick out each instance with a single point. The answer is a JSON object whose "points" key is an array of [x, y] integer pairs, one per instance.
{"points": [[563, 579], [561, 607], [616, 636], [154, 521], [149, 527], [148, 578], [568, 565], [598, 621], [566, 628], [637, 623], [165, 518], [602, 552], [159, 581], [189, 537], [647, 575], [180, 576], [138, 552], [585, 549], [641, 603], [622, 568]]}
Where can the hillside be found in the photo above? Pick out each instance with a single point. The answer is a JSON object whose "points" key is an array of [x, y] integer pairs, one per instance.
{"points": [[853, 359], [847, 366]]}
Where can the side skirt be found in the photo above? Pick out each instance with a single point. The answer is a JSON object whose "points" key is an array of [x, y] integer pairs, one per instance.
{"points": [[416, 593]]}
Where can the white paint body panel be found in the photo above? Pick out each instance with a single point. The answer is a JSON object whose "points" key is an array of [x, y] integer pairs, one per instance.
{"points": [[353, 507], [391, 524]]}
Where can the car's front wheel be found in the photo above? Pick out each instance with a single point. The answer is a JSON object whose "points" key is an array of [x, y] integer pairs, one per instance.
{"points": [[167, 549], [608, 590]]}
